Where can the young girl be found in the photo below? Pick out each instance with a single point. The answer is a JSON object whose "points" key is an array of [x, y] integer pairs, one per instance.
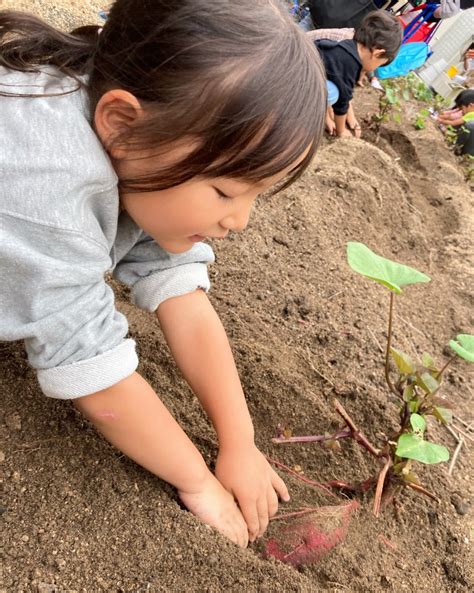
{"points": [[124, 149]]}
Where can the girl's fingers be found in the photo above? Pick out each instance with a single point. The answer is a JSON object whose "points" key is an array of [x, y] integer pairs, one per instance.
{"points": [[280, 487], [272, 501], [251, 516], [263, 517]]}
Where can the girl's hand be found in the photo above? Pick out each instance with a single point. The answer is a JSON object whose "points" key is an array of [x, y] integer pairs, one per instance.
{"points": [[211, 503], [245, 473]]}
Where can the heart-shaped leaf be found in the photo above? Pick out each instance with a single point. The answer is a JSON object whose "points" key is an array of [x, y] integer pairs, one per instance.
{"points": [[384, 271], [408, 393], [418, 423], [411, 446], [464, 346], [427, 382], [403, 361], [428, 362], [444, 415]]}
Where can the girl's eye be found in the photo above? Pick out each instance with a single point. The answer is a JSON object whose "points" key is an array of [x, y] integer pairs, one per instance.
{"points": [[222, 195]]}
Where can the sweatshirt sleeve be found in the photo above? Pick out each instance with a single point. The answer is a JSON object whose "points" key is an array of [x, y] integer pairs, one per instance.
{"points": [[449, 8], [154, 275], [54, 297]]}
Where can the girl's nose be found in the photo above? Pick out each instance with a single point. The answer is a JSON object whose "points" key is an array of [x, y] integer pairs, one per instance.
{"points": [[238, 220]]}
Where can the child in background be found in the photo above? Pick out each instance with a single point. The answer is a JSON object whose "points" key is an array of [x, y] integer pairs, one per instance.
{"points": [[124, 151], [375, 43], [462, 110], [462, 118]]}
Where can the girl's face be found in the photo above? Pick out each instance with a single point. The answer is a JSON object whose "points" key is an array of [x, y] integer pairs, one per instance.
{"points": [[199, 209], [182, 215]]}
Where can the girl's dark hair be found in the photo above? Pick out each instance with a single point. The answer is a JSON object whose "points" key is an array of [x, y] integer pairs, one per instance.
{"points": [[380, 30], [238, 79], [464, 98]]}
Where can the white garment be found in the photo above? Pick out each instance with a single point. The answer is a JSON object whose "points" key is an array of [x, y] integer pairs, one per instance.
{"points": [[449, 8]]}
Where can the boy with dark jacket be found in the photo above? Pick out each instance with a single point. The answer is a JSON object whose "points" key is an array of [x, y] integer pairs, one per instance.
{"points": [[376, 43]]}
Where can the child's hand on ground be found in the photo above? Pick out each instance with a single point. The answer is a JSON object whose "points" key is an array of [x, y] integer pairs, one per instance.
{"points": [[356, 130], [353, 124], [244, 471], [216, 507]]}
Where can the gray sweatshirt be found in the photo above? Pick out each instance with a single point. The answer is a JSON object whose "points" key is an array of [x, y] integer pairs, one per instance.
{"points": [[61, 231]]}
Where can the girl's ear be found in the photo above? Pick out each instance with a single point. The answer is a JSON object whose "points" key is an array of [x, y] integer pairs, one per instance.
{"points": [[115, 113]]}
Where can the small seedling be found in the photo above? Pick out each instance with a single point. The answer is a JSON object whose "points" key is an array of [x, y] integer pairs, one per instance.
{"points": [[420, 119], [405, 88], [415, 384]]}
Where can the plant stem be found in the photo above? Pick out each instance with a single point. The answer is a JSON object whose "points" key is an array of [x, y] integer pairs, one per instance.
{"points": [[361, 487], [439, 374], [422, 490], [295, 514], [311, 439], [380, 485], [356, 434], [455, 456], [299, 476], [321, 510], [387, 351]]}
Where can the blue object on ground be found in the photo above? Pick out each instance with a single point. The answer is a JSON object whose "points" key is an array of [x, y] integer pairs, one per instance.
{"points": [[411, 56], [333, 92]]}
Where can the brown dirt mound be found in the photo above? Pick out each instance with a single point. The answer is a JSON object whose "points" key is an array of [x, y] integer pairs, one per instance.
{"points": [[79, 516]]}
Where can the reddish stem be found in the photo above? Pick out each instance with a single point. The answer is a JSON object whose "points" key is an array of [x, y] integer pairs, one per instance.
{"points": [[439, 375], [343, 434], [361, 487], [421, 490], [387, 351], [380, 485], [295, 514], [300, 477], [356, 434]]}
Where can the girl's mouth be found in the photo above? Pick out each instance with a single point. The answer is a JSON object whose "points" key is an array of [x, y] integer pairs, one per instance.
{"points": [[197, 238]]}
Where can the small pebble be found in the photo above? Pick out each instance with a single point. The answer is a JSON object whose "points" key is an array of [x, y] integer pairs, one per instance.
{"points": [[13, 422], [25, 538]]}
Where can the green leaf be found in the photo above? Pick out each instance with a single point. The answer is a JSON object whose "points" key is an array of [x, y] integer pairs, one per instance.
{"points": [[403, 361], [444, 415], [384, 271], [427, 382], [413, 406], [464, 347], [428, 362], [391, 96], [411, 446], [408, 393], [418, 423]]}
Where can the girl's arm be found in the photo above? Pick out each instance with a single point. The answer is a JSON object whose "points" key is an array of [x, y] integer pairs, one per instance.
{"points": [[131, 416], [201, 349]]}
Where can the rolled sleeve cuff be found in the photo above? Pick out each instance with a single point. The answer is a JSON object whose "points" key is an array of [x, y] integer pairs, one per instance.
{"points": [[89, 376], [151, 291]]}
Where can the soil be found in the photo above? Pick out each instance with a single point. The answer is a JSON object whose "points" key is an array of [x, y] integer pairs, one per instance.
{"points": [[79, 516]]}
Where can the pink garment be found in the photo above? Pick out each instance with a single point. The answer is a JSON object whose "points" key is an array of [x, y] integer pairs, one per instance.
{"points": [[332, 34]]}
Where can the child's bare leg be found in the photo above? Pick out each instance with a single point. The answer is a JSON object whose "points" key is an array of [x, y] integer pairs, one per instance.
{"points": [[132, 417], [330, 124]]}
